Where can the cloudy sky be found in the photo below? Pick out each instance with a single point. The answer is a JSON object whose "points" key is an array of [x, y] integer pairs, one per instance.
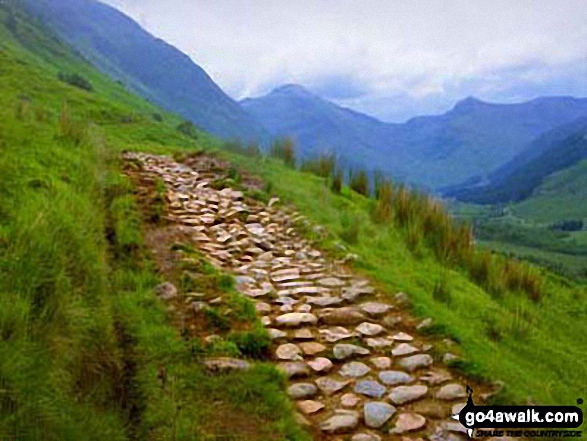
{"points": [[392, 59]]}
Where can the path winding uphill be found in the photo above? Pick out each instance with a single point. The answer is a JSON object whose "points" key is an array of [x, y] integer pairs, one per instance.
{"points": [[356, 365]]}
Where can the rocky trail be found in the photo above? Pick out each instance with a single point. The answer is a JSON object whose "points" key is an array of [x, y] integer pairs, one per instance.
{"points": [[358, 367]]}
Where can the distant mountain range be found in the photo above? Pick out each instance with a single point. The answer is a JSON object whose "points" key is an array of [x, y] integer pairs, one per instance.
{"points": [[560, 148], [465, 145], [148, 66]]}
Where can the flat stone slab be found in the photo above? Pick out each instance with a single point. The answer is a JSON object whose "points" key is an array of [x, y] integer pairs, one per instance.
{"points": [[369, 329], [343, 350], [320, 364], [370, 388], [288, 351], [335, 334], [404, 349], [226, 364], [302, 390], [375, 308], [377, 413], [381, 362], [331, 282], [415, 362], [406, 394], [379, 342], [294, 369], [392, 378], [343, 421], [324, 301], [451, 391], [296, 319], [354, 369], [408, 422], [402, 336], [330, 385], [342, 316], [349, 400], [312, 348], [310, 407]]}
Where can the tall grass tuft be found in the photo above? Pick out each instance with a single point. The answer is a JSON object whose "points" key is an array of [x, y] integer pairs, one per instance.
{"points": [[359, 182], [285, 150], [336, 185], [384, 206], [322, 166]]}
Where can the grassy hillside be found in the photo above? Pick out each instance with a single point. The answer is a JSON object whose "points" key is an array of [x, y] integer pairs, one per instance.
{"points": [[84, 339]]}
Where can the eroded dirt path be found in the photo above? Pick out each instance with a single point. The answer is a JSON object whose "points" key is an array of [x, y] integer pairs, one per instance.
{"points": [[357, 367]]}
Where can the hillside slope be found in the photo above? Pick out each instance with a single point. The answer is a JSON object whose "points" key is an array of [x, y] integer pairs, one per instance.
{"points": [[146, 65], [558, 149], [467, 143]]}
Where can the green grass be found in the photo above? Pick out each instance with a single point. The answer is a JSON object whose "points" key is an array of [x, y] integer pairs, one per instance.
{"points": [[84, 339]]}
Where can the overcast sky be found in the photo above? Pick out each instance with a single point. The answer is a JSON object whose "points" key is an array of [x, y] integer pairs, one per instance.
{"points": [[392, 59]]}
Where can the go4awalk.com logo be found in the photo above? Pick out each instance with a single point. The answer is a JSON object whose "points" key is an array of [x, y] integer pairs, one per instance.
{"points": [[520, 421]]}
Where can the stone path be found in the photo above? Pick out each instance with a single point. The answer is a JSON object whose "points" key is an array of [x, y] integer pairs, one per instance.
{"points": [[357, 368]]}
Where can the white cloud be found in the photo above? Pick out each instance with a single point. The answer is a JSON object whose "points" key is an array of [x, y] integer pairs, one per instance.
{"points": [[423, 50]]}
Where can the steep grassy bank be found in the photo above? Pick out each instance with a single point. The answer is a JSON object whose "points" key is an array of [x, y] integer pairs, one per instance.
{"points": [[84, 338]]}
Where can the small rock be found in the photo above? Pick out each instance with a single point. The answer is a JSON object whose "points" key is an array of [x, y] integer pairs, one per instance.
{"points": [[449, 358], [276, 334], [369, 329], [265, 321], [320, 364], [370, 388], [303, 334], [431, 409], [244, 280], [379, 342], [304, 308], [391, 378], [296, 319], [434, 378], [381, 362], [343, 421], [294, 369], [335, 334], [456, 408], [354, 369], [391, 321], [403, 349], [288, 351], [324, 301], [374, 308], [402, 298], [451, 391], [424, 324], [342, 316], [402, 336], [310, 406], [302, 390], [312, 348], [365, 437], [343, 350], [408, 422], [377, 413], [263, 308], [330, 386], [405, 394], [331, 282], [349, 400], [166, 291], [415, 362], [226, 364]]}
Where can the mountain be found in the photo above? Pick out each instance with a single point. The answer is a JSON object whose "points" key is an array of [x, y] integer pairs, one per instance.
{"points": [[559, 149], [318, 125], [148, 66], [466, 143]]}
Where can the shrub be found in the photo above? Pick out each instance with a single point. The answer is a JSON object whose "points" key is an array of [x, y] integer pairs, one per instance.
{"points": [[75, 80], [254, 344], [188, 129], [322, 166], [69, 129]]}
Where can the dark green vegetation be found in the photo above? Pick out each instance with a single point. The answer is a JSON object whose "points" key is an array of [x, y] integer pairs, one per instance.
{"points": [[87, 350], [146, 65], [515, 322]]}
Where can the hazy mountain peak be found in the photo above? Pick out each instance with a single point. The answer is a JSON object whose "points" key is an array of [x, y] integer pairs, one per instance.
{"points": [[468, 104], [292, 90]]}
